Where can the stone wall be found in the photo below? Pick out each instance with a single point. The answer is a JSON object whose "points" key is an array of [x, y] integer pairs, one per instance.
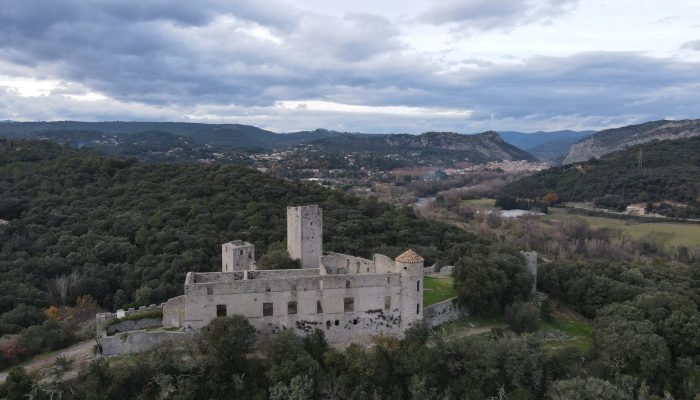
{"points": [[444, 312], [102, 319], [133, 325], [138, 341], [174, 312]]}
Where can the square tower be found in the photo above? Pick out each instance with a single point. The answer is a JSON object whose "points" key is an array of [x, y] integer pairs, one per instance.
{"points": [[237, 256], [305, 234]]}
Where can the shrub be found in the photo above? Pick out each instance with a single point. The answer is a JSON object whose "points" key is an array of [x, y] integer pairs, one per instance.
{"points": [[522, 317]]}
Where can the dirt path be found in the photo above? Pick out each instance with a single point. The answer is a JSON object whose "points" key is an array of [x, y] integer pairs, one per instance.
{"points": [[80, 354]]}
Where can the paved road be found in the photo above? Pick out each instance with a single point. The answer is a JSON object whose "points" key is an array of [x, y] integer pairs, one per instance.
{"points": [[83, 351]]}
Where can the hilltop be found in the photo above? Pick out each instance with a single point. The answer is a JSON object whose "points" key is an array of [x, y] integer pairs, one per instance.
{"points": [[610, 140], [431, 147]]}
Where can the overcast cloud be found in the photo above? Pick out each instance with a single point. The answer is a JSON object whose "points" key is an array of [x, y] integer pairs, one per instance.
{"points": [[461, 65]]}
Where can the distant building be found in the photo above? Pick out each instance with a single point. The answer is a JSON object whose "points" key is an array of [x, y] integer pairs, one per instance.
{"points": [[636, 209]]}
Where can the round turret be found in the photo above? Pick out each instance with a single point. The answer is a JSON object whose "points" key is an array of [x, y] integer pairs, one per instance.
{"points": [[410, 265]]}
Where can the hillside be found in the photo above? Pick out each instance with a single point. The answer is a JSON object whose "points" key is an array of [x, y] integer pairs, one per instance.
{"points": [[436, 147], [610, 140], [670, 173], [126, 232], [230, 136], [545, 145]]}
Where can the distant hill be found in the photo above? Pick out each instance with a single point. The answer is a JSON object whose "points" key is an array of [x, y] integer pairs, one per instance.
{"points": [[610, 140], [545, 145], [224, 135], [178, 141], [439, 147], [670, 173]]}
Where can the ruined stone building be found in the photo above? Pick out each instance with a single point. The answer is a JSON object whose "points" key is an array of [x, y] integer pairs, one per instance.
{"points": [[347, 297], [341, 294]]}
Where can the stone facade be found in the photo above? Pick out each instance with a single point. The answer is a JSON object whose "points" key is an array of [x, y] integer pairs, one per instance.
{"points": [[305, 234], [237, 256], [345, 296], [174, 312]]}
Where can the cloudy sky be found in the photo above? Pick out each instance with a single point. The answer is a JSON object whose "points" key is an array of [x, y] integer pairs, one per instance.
{"points": [[365, 65]]}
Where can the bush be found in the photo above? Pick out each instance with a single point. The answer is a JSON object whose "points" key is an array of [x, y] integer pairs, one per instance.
{"points": [[522, 317]]}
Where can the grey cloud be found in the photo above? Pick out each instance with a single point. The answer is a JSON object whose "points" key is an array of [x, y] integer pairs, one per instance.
{"points": [[694, 45], [492, 14], [157, 64]]}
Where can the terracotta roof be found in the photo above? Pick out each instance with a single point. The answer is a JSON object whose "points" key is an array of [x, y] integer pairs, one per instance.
{"points": [[409, 256]]}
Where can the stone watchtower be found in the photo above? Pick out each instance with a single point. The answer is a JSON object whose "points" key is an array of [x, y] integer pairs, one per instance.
{"points": [[410, 266], [305, 234], [531, 266], [237, 256]]}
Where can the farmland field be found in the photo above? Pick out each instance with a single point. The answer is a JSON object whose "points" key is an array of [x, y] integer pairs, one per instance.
{"points": [[665, 233]]}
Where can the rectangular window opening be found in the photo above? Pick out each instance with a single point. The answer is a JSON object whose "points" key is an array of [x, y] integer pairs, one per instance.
{"points": [[417, 308], [221, 310], [267, 309], [387, 302], [347, 284], [418, 286], [349, 304], [292, 307], [319, 307]]}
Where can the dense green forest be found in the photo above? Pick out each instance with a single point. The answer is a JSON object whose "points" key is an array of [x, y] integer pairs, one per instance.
{"points": [[670, 173], [126, 233]]}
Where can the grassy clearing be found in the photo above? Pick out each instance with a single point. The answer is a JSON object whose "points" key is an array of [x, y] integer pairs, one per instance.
{"points": [[667, 234], [436, 290], [479, 202], [579, 332]]}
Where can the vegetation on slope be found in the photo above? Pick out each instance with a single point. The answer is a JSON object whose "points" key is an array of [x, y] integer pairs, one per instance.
{"points": [[670, 173], [126, 233]]}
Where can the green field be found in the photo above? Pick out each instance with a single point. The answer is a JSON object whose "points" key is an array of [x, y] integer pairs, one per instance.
{"points": [[664, 233], [436, 290], [579, 332], [479, 202]]}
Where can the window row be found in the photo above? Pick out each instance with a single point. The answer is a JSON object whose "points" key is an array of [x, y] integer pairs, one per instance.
{"points": [[269, 310]]}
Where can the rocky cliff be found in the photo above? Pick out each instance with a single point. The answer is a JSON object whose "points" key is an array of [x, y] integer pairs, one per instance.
{"points": [[611, 140]]}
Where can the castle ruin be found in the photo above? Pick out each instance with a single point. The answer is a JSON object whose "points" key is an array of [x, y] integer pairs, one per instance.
{"points": [[343, 295]]}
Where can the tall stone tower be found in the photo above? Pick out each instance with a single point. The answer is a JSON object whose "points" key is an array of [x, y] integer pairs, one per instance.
{"points": [[531, 266], [410, 266], [237, 256], [305, 234]]}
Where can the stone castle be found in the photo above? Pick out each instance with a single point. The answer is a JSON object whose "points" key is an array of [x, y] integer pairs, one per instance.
{"points": [[343, 295], [348, 297]]}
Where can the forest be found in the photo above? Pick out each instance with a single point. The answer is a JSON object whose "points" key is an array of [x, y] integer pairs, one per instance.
{"points": [[88, 232], [126, 233], [668, 179]]}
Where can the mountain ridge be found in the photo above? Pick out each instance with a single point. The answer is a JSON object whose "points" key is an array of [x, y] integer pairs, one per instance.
{"points": [[615, 139]]}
